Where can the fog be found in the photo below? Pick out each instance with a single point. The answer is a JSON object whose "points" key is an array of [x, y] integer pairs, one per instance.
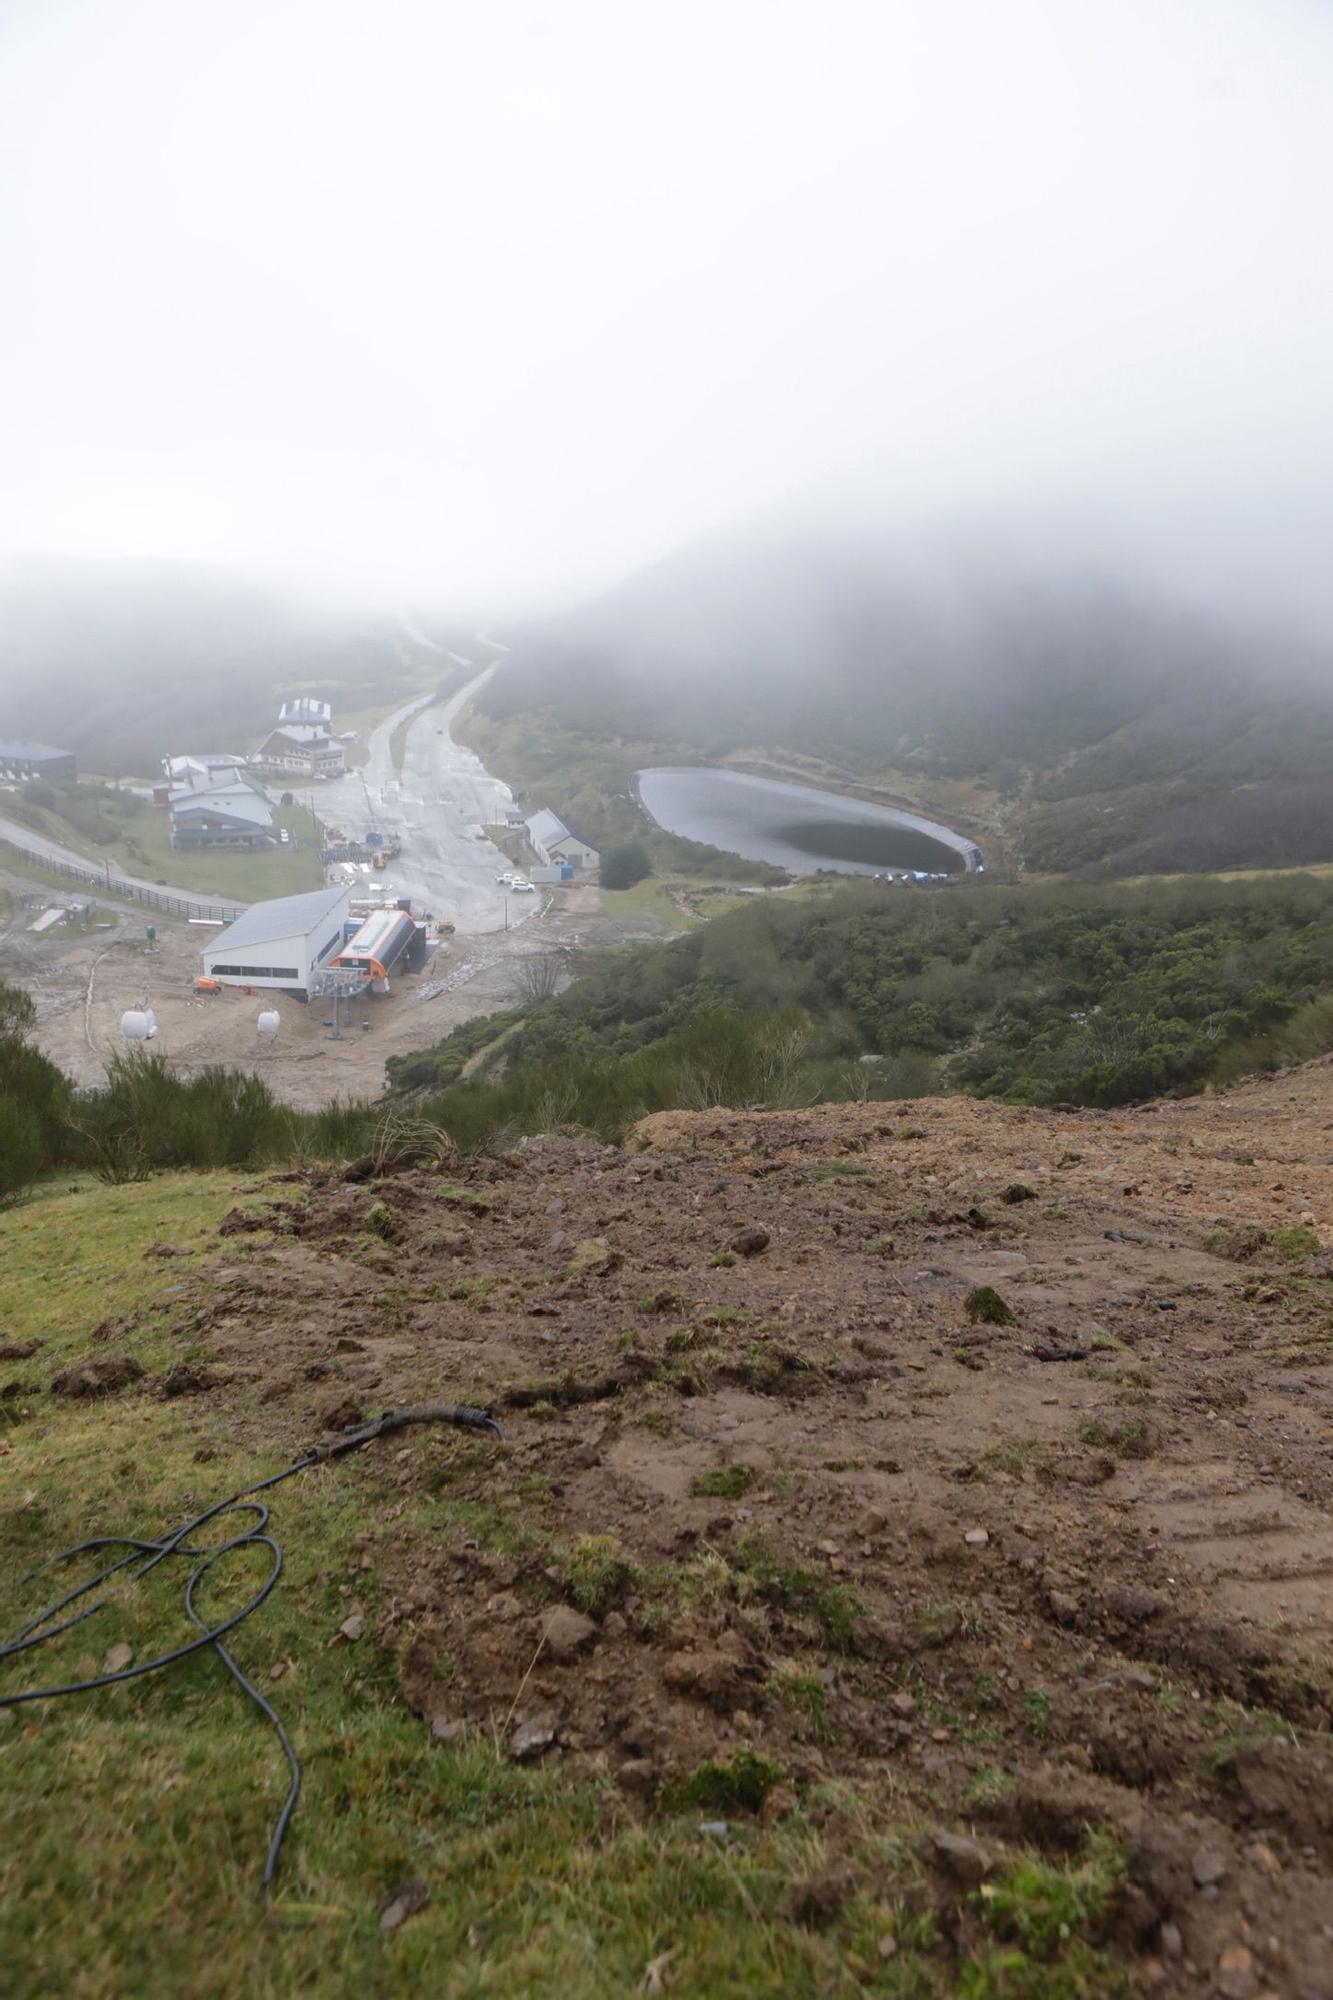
{"points": [[490, 301]]}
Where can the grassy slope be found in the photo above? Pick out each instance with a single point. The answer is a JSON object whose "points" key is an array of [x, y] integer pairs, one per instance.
{"points": [[134, 1820], [142, 846]]}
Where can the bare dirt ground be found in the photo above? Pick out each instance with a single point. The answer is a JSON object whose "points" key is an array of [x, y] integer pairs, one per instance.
{"points": [[82, 986], [1073, 1569]]}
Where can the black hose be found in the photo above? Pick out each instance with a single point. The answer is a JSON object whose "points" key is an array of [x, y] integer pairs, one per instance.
{"points": [[147, 1554]]}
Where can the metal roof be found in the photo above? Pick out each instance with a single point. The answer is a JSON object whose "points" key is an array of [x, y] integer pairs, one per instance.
{"points": [[231, 801], [545, 826], [280, 917], [10, 749]]}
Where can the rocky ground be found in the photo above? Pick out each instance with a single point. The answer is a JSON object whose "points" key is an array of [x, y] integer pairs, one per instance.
{"points": [[975, 1457]]}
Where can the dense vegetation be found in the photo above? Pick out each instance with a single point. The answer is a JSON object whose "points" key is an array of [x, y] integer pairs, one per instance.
{"points": [[1089, 995], [1122, 733]]}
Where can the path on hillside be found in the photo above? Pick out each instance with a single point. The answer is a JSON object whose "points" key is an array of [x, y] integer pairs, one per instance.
{"points": [[42, 849]]}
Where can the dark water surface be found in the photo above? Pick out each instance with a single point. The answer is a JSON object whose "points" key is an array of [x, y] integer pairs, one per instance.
{"points": [[798, 828]]}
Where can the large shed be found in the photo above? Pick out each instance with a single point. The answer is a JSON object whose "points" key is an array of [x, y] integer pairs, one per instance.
{"points": [[35, 760], [280, 943], [555, 843]]}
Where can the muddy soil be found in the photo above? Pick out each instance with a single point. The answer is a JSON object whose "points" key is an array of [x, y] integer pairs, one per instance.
{"points": [[1022, 1575]]}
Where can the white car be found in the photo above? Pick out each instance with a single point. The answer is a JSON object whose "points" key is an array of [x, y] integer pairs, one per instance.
{"points": [[521, 888]]}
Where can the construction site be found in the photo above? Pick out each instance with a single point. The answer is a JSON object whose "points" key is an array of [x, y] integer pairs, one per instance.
{"points": [[84, 977]]}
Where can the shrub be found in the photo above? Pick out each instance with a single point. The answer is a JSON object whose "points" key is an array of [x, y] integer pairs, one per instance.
{"points": [[20, 1148], [624, 864]]}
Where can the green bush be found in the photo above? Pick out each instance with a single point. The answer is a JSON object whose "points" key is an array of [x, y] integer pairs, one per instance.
{"points": [[624, 864], [20, 1148]]}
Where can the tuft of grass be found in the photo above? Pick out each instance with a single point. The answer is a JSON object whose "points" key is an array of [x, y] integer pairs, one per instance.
{"points": [[666, 1299], [761, 1368], [724, 1482], [801, 1590], [985, 1307], [741, 1783], [797, 1688], [988, 1786], [1012, 1458], [383, 1223], [1043, 1907], [722, 1260], [590, 1260], [1294, 1243], [475, 1200], [474, 1291], [1126, 1437], [1037, 1713], [595, 1573]]}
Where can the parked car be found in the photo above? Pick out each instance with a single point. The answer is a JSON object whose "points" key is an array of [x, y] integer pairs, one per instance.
{"points": [[523, 888]]}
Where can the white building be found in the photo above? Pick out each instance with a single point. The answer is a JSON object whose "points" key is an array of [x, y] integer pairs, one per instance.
{"points": [[306, 712], [231, 811], [280, 943], [556, 845], [301, 750]]}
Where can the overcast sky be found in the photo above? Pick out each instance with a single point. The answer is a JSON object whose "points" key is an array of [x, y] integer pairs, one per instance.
{"points": [[495, 298]]}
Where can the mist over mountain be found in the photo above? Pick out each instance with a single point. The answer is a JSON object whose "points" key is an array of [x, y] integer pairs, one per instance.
{"points": [[125, 662], [1053, 681]]}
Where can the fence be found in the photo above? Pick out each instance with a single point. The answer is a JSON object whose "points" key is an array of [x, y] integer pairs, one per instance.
{"points": [[112, 885]]}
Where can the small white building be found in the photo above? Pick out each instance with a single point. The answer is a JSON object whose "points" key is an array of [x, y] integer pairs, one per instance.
{"points": [[280, 943], [556, 845]]}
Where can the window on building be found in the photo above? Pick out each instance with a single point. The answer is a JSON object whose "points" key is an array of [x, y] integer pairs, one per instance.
{"points": [[255, 971]]}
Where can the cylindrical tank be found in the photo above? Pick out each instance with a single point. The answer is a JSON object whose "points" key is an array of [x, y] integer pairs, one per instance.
{"points": [[138, 1024], [268, 1021]]}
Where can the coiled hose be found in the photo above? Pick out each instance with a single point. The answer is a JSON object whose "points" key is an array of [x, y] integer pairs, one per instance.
{"points": [[144, 1554]]}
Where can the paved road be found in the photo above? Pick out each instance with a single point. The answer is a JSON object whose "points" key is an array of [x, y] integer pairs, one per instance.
{"points": [[443, 797], [51, 850]]}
